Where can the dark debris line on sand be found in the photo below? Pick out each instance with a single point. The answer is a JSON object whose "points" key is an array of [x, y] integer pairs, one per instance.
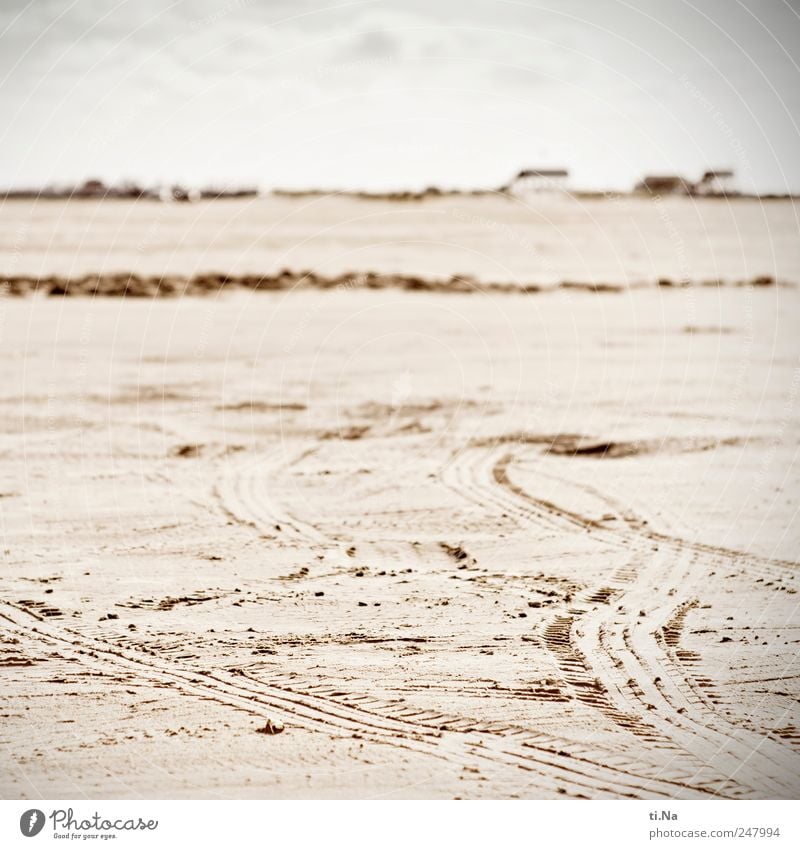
{"points": [[134, 285]]}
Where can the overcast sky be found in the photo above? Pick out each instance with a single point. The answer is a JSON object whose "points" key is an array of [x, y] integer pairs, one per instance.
{"points": [[398, 94]]}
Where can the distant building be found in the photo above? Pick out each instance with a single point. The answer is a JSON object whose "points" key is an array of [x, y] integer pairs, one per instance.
{"points": [[91, 189], [713, 183], [665, 184], [538, 180], [717, 182]]}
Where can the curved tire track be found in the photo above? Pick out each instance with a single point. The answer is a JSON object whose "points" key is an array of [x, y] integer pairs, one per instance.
{"points": [[669, 712]]}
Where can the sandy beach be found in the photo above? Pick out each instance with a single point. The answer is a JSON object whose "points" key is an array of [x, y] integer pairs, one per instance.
{"points": [[368, 542], [492, 238]]}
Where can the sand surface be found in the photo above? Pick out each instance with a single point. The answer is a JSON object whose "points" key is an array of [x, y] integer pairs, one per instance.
{"points": [[542, 239], [453, 545]]}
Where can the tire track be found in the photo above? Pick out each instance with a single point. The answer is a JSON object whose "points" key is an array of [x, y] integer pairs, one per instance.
{"points": [[469, 473], [245, 492], [471, 746], [633, 527], [659, 714], [655, 691]]}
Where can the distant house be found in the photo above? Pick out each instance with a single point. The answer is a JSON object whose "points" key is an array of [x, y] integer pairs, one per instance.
{"points": [[716, 182], [91, 189], [665, 184], [538, 180]]}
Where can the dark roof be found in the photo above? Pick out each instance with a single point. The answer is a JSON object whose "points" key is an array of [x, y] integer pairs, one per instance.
{"points": [[543, 172], [718, 173]]}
